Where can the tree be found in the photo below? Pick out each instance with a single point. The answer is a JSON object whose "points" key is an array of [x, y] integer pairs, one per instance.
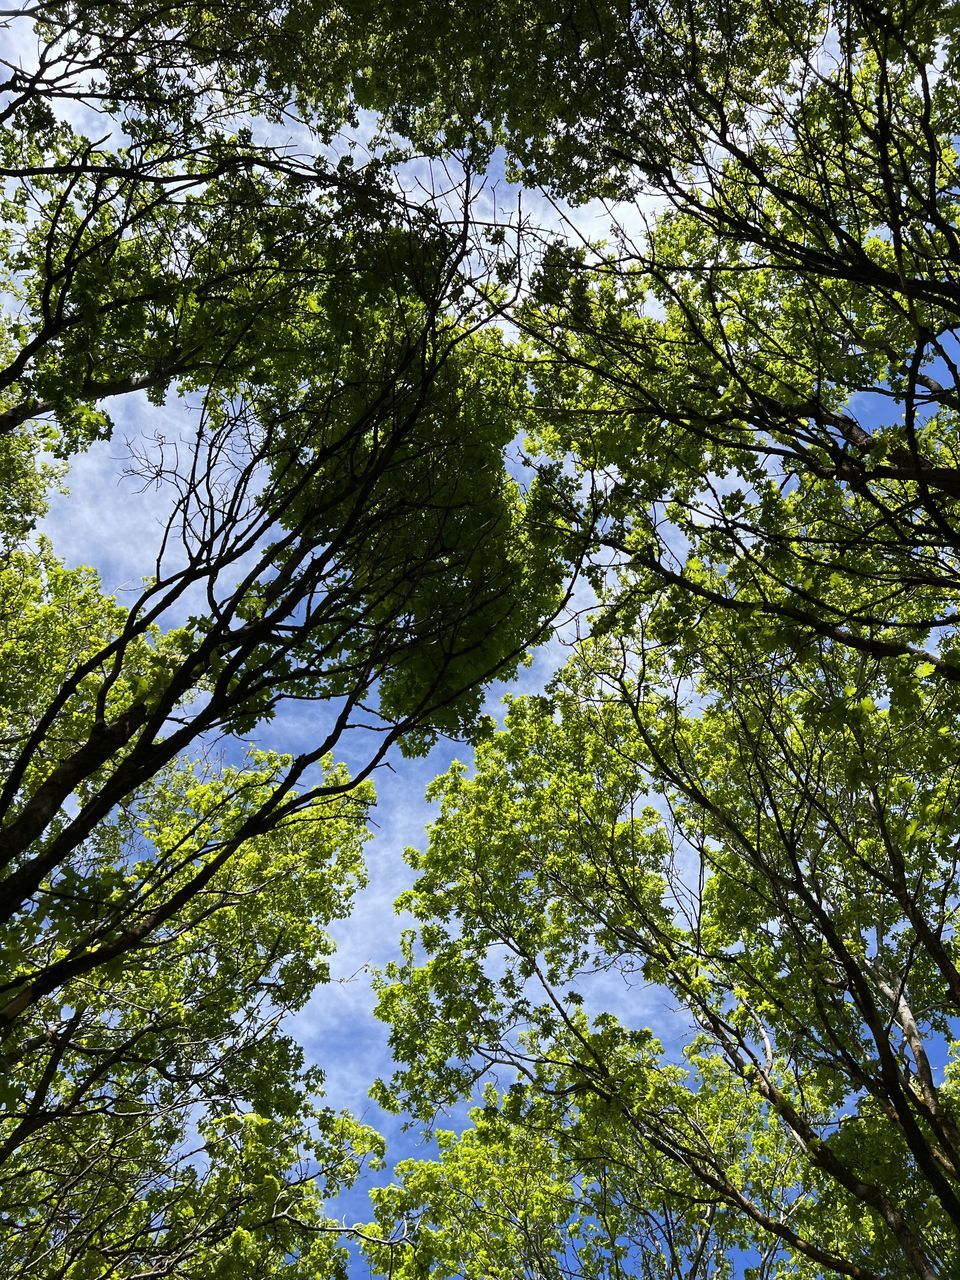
{"points": [[711, 366], [740, 789], [773, 840], [342, 532], [339, 555], [157, 1119]]}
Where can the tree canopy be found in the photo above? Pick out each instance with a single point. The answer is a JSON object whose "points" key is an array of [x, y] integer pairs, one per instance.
{"points": [[685, 932], [739, 791], [342, 534]]}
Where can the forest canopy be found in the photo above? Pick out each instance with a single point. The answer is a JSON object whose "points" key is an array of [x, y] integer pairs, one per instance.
{"points": [[684, 927]]}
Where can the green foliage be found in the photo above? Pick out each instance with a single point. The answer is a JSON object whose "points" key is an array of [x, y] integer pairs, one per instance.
{"points": [[185, 227], [739, 792], [155, 1113], [149, 1092], [148, 1084], [793, 888]]}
